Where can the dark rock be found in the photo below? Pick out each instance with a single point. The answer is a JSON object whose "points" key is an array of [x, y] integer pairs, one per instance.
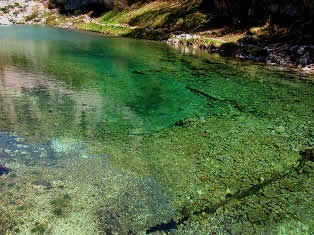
{"points": [[230, 49], [262, 59], [307, 169], [43, 183], [90, 14], [301, 50], [4, 170], [180, 123], [113, 222], [305, 59], [308, 154], [77, 12], [257, 58], [251, 57], [71, 5], [258, 52], [306, 160], [248, 40], [143, 205], [52, 5], [293, 48]]}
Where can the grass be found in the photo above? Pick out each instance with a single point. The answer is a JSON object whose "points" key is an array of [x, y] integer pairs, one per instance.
{"points": [[59, 204], [39, 228], [203, 41], [159, 15], [54, 20], [21, 208], [106, 29], [212, 41], [155, 20], [31, 16]]}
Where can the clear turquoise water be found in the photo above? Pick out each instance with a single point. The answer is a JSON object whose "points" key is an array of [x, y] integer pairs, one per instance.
{"points": [[94, 84], [108, 85], [72, 94]]}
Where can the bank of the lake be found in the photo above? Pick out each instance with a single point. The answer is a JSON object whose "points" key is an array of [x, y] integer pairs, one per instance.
{"points": [[162, 20]]}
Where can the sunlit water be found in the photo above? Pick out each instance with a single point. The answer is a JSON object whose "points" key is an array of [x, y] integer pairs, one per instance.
{"points": [[64, 94]]}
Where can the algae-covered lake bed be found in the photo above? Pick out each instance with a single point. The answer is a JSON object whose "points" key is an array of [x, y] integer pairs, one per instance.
{"points": [[123, 136]]}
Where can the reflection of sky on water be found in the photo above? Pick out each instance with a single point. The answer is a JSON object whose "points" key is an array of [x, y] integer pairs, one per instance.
{"points": [[72, 81]]}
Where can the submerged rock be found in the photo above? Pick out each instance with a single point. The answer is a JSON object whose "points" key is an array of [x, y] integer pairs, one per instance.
{"points": [[43, 183], [4, 170], [141, 206], [69, 147]]}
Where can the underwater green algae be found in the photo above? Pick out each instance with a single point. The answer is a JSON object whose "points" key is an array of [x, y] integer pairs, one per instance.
{"points": [[217, 141]]}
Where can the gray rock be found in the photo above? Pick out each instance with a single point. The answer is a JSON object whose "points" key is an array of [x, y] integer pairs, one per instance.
{"points": [[305, 59], [293, 48], [44, 183], [142, 205], [4, 21], [301, 50]]}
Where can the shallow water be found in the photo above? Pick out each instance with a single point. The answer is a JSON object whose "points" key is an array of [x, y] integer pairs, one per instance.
{"points": [[94, 84], [111, 120]]}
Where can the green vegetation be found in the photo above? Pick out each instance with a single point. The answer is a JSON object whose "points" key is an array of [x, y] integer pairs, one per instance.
{"points": [[60, 204], [51, 20], [21, 208], [39, 228], [12, 175], [4, 10], [32, 16], [36, 172], [153, 20], [58, 211], [115, 30]]}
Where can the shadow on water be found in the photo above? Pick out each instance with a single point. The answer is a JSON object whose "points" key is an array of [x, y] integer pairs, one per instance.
{"points": [[185, 215], [171, 225]]}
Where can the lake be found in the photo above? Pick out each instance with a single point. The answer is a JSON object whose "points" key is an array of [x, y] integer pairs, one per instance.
{"points": [[116, 135]]}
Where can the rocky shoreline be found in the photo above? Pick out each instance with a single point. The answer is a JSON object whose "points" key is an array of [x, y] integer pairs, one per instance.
{"points": [[298, 56]]}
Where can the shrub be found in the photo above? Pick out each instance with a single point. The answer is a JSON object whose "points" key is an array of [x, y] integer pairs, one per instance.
{"points": [[4, 10], [31, 17]]}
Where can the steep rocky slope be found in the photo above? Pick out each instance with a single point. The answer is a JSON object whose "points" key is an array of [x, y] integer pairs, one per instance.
{"points": [[22, 12]]}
